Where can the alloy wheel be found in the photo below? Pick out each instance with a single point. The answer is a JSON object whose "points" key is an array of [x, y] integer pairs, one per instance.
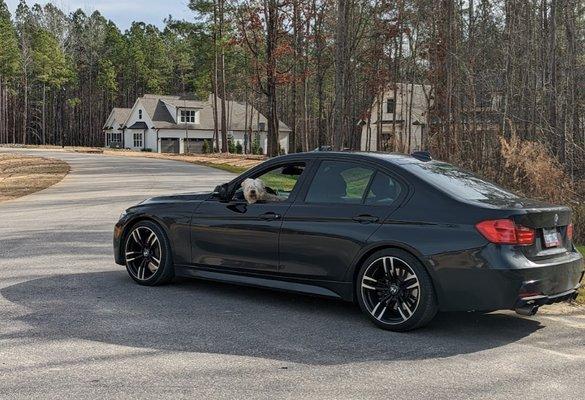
{"points": [[390, 290], [143, 253]]}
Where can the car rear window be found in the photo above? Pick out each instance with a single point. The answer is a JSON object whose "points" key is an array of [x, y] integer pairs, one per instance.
{"points": [[459, 183]]}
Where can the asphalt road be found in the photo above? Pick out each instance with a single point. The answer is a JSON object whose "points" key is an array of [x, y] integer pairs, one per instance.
{"points": [[73, 325]]}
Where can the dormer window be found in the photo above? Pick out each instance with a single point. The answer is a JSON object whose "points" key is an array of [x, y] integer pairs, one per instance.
{"points": [[187, 116], [139, 114]]}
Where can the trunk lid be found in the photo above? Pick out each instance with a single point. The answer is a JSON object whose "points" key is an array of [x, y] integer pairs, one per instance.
{"points": [[550, 224]]}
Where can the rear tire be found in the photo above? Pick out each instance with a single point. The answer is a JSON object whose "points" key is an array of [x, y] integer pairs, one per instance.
{"points": [[395, 291], [147, 254]]}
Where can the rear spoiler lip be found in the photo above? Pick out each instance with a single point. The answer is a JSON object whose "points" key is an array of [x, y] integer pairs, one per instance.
{"points": [[544, 218]]}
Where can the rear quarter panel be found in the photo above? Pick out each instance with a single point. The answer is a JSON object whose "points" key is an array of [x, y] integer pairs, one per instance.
{"points": [[441, 232]]}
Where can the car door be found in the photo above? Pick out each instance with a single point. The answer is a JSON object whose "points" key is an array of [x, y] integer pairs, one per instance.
{"points": [[326, 227], [235, 235]]}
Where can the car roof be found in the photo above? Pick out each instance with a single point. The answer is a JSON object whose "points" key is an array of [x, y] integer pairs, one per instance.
{"points": [[394, 158]]}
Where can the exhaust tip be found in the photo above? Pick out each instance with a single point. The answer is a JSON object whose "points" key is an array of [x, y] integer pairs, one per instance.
{"points": [[527, 311]]}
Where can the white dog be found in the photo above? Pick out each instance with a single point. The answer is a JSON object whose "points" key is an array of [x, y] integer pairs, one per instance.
{"points": [[255, 191]]}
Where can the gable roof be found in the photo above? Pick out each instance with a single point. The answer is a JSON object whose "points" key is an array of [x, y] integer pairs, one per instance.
{"points": [[184, 103], [236, 116], [118, 114], [160, 107]]}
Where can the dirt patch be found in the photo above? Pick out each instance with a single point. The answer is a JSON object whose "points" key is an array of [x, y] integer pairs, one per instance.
{"points": [[21, 175], [562, 309]]}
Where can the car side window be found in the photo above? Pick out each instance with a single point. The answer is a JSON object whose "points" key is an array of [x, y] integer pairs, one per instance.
{"points": [[383, 191], [339, 182], [277, 183]]}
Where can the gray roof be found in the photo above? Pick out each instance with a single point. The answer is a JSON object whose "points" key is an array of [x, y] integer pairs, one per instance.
{"points": [[138, 125], [183, 103], [120, 115], [155, 106]]}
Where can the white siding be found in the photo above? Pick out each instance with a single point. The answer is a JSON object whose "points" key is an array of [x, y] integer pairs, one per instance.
{"points": [[151, 138], [409, 120], [149, 135]]}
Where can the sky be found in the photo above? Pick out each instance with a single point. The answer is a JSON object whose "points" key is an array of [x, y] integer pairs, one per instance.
{"points": [[122, 12]]}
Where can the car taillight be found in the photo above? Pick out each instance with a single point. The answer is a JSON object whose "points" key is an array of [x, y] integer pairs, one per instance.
{"points": [[570, 230], [505, 231]]}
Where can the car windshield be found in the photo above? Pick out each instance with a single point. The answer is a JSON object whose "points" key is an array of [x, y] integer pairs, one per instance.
{"points": [[458, 182]]}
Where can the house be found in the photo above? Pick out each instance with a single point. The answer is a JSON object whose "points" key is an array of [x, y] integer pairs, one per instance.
{"points": [[175, 124], [114, 127], [398, 119]]}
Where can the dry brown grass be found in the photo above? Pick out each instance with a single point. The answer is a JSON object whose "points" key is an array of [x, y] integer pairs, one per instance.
{"points": [[529, 168], [21, 175]]}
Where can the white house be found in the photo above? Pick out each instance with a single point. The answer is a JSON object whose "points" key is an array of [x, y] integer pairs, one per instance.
{"points": [[398, 119], [114, 127], [173, 124]]}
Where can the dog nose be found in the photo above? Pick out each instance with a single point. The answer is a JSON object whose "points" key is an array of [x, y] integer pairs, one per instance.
{"points": [[252, 192]]}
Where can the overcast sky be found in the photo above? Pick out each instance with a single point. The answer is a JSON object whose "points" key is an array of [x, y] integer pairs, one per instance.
{"points": [[122, 12]]}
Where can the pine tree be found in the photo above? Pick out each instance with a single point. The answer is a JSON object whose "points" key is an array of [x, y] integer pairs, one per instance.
{"points": [[9, 67]]}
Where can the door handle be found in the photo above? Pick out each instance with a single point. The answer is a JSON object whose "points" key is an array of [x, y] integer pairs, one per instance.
{"points": [[270, 216], [366, 219]]}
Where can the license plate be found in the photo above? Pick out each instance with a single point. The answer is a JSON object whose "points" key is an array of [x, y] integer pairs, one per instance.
{"points": [[551, 238]]}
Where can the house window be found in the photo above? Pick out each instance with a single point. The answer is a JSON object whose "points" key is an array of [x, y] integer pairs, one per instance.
{"points": [[138, 140], [390, 106], [261, 126], [189, 117], [117, 137], [139, 114]]}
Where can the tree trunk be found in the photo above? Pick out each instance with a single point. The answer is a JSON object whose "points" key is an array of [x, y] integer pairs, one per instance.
{"points": [[44, 120], [24, 108], [341, 60], [222, 93], [271, 13]]}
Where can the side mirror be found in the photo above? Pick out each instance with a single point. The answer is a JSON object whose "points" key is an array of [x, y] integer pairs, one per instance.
{"points": [[222, 192]]}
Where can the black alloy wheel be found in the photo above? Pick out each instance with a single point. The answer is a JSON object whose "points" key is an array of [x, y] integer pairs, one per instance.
{"points": [[395, 291], [147, 253]]}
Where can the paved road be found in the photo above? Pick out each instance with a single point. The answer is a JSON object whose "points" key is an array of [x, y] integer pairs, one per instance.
{"points": [[73, 325]]}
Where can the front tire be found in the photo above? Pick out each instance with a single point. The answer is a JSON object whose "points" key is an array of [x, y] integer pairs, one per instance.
{"points": [[395, 291], [148, 254]]}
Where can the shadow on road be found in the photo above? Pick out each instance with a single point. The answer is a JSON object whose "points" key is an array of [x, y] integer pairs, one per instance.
{"points": [[198, 316]]}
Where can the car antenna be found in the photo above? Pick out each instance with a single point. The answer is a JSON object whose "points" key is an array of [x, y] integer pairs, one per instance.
{"points": [[422, 155]]}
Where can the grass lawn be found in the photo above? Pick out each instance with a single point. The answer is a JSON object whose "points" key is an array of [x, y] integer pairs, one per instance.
{"points": [[21, 175], [225, 167], [581, 298]]}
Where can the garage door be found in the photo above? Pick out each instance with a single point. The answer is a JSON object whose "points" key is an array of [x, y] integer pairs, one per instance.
{"points": [[169, 146], [194, 146]]}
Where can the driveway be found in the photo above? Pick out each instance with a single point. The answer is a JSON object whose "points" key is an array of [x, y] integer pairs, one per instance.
{"points": [[73, 325]]}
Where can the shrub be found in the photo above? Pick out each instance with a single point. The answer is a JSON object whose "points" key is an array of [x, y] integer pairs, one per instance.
{"points": [[256, 149], [231, 145], [205, 147], [530, 169], [239, 148]]}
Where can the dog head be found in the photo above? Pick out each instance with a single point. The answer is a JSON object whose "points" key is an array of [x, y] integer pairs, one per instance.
{"points": [[253, 190]]}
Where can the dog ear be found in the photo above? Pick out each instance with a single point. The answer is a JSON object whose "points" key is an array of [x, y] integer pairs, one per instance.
{"points": [[246, 182], [260, 183]]}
